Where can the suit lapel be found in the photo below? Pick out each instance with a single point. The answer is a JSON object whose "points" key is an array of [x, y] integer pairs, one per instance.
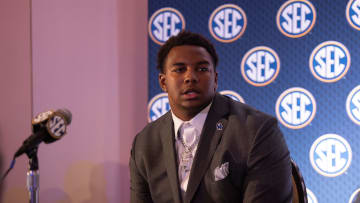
{"points": [[213, 129], [167, 139]]}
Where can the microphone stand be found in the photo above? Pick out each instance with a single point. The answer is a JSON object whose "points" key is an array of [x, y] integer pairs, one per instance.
{"points": [[33, 175]]}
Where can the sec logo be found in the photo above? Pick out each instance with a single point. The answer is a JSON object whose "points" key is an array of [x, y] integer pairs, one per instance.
{"points": [[353, 13], [330, 155], [164, 23], [353, 105], [227, 23], [233, 95], [158, 106], [56, 126], [296, 18], [329, 61], [295, 108], [260, 66], [355, 197], [311, 197]]}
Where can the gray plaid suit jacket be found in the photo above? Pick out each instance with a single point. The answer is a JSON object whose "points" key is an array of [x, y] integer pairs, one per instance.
{"points": [[250, 141]]}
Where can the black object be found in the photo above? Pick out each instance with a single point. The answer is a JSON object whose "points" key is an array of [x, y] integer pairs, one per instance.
{"points": [[49, 127]]}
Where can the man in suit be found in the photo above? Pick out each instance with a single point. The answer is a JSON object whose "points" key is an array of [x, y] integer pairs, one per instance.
{"points": [[208, 148]]}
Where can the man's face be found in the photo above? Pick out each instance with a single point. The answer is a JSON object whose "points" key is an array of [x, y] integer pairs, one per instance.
{"points": [[190, 80]]}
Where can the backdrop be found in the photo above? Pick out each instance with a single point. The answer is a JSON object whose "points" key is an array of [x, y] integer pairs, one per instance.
{"points": [[88, 56], [296, 60]]}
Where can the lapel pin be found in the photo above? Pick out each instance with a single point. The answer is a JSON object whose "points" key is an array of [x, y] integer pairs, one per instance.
{"points": [[219, 126]]}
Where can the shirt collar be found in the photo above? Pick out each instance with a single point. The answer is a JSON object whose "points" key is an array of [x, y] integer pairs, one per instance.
{"points": [[198, 120]]}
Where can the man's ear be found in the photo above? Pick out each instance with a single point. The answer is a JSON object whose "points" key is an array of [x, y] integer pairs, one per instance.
{"points": [[162, 81]]}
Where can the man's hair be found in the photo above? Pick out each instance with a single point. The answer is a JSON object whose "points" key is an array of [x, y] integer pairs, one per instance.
{"points": [[185, 38]]}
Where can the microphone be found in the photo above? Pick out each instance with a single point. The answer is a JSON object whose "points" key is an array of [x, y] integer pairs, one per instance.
{"points": [[48, 127]]}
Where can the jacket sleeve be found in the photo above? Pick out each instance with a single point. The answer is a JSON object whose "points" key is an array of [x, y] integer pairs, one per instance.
{"points": [[269, 168], [139, 188]]}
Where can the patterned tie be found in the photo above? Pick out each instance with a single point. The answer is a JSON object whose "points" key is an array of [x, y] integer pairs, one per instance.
{"points": [[189, 139]]}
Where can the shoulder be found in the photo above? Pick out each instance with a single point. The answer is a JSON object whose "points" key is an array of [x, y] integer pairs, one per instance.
{"points": [[251, 128], [245, 113], [157, 124], [244, 122], [150, 134]]}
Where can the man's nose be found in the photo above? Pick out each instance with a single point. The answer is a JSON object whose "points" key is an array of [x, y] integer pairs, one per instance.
{"points": [[190, 75]]}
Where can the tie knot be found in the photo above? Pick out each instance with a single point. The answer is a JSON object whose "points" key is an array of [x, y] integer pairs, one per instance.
{"points": [[186, 124], [188, 134]]}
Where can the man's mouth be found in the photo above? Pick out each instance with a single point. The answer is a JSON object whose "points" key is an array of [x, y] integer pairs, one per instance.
{"points": [[191, 94]]}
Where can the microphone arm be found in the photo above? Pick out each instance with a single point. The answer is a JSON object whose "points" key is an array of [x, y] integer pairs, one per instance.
{"points": [[31, 143]]}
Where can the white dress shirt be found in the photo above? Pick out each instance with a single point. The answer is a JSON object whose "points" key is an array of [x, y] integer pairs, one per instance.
{"points": [[196, 124]]}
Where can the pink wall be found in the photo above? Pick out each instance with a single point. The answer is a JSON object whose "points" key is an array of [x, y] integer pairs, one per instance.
{"points": [[15, 91], [89, 56]]}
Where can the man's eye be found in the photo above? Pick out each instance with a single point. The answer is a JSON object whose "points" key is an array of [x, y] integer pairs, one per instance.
{"points": [[203, 69], [178, 70]]}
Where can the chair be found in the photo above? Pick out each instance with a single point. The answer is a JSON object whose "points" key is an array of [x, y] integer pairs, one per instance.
{"points": [[299, 188]]}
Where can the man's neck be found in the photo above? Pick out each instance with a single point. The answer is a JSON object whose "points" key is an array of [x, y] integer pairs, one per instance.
{"points": [[188, 114]]}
